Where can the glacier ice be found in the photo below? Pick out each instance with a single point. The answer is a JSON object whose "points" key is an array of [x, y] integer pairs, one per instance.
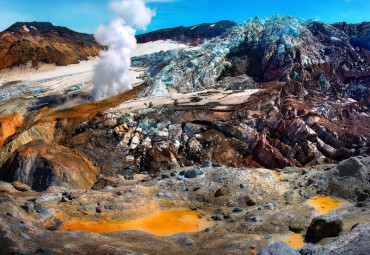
{"points": [[199, 67]]}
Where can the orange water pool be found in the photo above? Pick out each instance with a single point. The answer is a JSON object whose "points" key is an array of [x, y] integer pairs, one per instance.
{"points": [[324, 204], [162, 223], [295, 241]]}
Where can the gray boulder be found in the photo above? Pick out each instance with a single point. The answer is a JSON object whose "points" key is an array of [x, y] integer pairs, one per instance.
{"points": [[348, 177], [350, 167], [278, 249], [207, 164]]}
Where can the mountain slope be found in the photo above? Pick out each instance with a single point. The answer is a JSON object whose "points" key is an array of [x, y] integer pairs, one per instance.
{"points": [[43, 42], [194, 34]]}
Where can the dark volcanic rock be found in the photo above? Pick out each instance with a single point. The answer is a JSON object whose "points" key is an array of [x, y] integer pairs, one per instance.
{"points": [[327, 225], [43, 252], [191, 174]]}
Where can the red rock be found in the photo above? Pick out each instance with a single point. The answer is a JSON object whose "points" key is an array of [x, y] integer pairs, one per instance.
{"points": [[268, 155]]}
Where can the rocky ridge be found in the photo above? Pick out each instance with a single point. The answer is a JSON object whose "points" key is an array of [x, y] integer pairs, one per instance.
{"points": [[193, 35]]}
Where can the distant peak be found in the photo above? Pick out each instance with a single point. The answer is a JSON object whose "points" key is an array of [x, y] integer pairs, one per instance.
{"points": [[29, 26]]}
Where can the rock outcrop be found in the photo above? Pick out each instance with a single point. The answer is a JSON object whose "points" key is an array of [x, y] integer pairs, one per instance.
{"points": [[41, 165]]}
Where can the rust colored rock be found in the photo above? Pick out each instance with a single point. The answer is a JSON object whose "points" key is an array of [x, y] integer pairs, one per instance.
{"points": [[268, 155], [8, 126], [42, 165], [58, 45]]}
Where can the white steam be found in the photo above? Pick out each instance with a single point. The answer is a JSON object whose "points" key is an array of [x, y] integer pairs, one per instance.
{"points": [[111, 73]]}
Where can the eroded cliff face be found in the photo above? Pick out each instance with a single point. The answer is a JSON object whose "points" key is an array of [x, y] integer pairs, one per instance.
{"points": [[42, 42]]}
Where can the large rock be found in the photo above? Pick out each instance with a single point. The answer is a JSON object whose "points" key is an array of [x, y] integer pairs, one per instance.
{"points": [[349, 177], [278, 249], [327, 225], [351, 167], [41, 165], [355, 242]]}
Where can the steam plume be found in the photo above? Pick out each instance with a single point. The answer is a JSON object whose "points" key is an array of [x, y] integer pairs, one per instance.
{"points": [[111, 73]]}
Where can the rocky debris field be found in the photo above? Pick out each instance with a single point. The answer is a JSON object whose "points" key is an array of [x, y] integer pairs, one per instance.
{"points": [[246, 209]]}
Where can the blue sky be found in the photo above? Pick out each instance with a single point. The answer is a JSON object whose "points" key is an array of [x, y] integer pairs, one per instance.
{"points": [[86, 15]]}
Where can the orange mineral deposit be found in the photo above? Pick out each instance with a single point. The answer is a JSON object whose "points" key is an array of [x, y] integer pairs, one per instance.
{"points": [[162, 223]]}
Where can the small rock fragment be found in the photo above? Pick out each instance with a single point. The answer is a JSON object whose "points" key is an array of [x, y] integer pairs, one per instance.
{"points": [[220, 192], [217, 217], [250, 201], [237, 210], [207, 164], [100, 208], [165, 176]]}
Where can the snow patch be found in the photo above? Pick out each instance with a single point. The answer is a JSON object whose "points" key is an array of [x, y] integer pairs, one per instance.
{"points": [[33, 28], [157, 46], [194, 27], [212, 25], [25, 28]]}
